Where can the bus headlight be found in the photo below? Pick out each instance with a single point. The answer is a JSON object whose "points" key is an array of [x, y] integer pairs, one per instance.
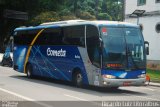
{"points": [[142, 76], [109, 76]]}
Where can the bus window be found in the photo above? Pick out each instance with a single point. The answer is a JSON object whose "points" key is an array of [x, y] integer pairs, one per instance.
{"points": [[74, 35], [24, 37], [50, 36], [93, 44]]}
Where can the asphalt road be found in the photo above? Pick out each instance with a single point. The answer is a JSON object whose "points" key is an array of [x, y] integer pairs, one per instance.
{"points": [[16, 86]]}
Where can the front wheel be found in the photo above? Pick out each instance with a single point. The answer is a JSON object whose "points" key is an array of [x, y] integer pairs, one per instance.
{"points": [[77, 79]]}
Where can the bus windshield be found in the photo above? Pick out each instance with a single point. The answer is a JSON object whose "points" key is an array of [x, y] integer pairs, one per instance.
{"points": [[123, 48]]}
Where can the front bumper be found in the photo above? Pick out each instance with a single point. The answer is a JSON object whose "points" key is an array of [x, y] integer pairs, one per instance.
{"points": [[122, 82]]}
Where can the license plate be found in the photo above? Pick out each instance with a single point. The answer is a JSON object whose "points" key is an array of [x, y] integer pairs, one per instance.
{"points": [[126, 83]]}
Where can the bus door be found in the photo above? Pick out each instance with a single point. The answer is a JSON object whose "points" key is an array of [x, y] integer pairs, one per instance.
{"points": [[92, 40]]}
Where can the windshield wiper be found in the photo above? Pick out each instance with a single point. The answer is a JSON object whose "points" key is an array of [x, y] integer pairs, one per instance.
{"points": [[129, 55]]}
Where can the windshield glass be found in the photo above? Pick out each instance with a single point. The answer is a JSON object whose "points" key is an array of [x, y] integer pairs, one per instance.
{"points": [[135, 48], [122, 48]]}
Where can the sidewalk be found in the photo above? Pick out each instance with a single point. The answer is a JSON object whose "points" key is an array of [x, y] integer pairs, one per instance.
{"points": [[154, 84]]}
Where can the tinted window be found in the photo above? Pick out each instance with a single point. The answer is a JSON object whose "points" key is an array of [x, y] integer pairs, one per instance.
{"points": [[74, 35], [123, 47], [50, 36], [93, 44], [24, 37], [114, 46]]}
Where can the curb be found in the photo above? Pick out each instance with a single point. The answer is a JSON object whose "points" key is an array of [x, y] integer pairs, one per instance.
{"points": [[154, 84]]}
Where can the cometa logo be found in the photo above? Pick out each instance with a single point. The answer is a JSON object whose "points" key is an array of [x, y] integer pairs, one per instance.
{"points": [[58, 53]]}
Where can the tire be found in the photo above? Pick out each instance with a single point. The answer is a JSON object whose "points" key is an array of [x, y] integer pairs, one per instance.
{"points": [[77, 79], [29, 71]]}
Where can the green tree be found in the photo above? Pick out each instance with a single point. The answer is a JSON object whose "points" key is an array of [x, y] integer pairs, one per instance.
{"points": [[39, 10]]}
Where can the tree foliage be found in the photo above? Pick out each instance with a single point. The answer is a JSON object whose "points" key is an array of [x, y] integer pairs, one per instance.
{"points": [[40, 11], [53, 10]]}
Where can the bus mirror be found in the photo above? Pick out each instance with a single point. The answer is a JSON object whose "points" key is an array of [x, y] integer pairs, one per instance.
{"points": [[147, 47], [147, 50]]}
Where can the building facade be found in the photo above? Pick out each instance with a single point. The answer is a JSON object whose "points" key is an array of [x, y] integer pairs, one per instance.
{"points": [[150, 23]]}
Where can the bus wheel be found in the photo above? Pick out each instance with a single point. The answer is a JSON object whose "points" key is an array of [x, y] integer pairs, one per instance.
{"points": [[29, 71], [77, 79]]}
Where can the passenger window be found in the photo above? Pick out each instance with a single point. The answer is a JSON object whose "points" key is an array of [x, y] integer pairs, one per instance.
{"points": [[24, 37], [74, 35], [50, 36]]}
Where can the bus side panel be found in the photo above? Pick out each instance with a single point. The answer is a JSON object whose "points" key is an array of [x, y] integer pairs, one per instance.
{"points": [[19, 56], [57, 62]]}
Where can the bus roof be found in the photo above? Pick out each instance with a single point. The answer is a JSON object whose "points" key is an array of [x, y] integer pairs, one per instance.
{"points": [[77, 22]]}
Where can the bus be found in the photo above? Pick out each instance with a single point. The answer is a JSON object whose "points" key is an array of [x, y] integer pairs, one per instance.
{"points": [[98, 53]]}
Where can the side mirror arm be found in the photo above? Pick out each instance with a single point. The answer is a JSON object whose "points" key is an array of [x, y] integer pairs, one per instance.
{"points": [[146, 43], [101, 51]]}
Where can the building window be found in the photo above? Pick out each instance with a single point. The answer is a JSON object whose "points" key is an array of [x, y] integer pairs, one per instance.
{"points": [[141, 2], [158, 28], [157, 1]]}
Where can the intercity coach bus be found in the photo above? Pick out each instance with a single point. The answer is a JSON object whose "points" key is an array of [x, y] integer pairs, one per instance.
{"points": [[98, 53]]}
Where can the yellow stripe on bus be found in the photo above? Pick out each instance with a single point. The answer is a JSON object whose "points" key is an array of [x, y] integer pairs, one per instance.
{"points": [[30, 47]]}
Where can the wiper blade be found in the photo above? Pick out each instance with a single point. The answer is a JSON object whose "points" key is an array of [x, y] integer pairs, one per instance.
{"points": [[129, 54]]}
